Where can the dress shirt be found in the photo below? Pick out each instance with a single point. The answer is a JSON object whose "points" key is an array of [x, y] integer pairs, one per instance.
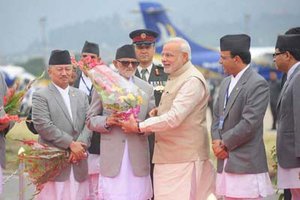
{"points": [[85, 84], [291, 70], [149, 68], [235, 79], [65, 95]]}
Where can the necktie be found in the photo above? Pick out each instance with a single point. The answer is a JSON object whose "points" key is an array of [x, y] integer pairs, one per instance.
{"points": [[144, 72]]}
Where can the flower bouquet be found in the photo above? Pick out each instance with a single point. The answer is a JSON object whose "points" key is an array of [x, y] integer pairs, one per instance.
{"points": [[12, 101], [42, 163], [117, 93], [87, 63]]}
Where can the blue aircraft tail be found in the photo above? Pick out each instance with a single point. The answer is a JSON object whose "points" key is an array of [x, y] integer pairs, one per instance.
{"points": [[155, 18]]}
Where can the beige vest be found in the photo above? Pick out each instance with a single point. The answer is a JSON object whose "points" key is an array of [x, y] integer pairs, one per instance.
{"points": [[189, 141]]}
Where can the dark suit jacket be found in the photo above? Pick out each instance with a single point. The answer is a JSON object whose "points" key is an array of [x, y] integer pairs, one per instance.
{"points": [[288, 131], [242, 131], [157, 79]]}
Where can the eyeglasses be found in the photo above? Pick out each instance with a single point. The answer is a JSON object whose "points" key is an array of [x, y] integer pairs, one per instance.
{"points": [[126, 63], [277, 53]]}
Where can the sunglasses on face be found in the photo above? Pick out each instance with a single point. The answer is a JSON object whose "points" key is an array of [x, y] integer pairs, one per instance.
{"points": [[126, 63]]}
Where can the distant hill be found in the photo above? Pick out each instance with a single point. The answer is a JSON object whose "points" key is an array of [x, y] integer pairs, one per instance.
{"points": [[111, 32]]}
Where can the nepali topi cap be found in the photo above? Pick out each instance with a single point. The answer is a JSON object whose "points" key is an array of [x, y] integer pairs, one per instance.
{"points": [[236, 43]]}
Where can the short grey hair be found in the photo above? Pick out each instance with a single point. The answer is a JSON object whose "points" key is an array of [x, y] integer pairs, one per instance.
{"points": [[184, 45]]}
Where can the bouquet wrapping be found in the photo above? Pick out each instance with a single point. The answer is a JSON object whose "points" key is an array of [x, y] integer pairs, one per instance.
{"points": [[117, 93], [42, 163]]}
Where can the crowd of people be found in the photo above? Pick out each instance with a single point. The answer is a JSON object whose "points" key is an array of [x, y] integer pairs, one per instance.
{"points": [[163, 153]]}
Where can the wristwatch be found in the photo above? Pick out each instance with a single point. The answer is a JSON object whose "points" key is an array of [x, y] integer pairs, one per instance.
{"points": [[106, 126]]}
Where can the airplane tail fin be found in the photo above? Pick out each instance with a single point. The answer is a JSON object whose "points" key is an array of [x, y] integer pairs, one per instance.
{"points": [[155, 18]]}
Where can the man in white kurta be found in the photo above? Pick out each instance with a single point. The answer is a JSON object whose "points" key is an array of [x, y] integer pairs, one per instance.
{"points": [[58, 114], [181, 152], [287, 59], [237, 128], [125, 162]]}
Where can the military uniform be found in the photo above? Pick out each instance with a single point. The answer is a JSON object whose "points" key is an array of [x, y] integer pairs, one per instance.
{"points": [[157, 79]]}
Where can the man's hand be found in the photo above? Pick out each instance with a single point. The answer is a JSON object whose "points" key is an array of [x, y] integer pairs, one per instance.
{"points": [[113, 119], [4, 126], [130, 125], [153, 112], [72, 158], [219, 149], [78, 150]]}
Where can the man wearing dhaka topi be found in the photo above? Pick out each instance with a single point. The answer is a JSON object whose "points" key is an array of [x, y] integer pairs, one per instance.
{"points": [[58, 115], [124, 162]]}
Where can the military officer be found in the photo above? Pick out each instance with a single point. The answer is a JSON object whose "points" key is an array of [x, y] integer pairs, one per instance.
{"points": [[144, 43]]}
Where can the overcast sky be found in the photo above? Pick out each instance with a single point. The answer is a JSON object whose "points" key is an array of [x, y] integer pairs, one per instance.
{"points": [[19, 19]]}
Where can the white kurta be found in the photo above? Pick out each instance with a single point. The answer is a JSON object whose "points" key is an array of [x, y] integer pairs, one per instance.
{"points": [[288, 178], [67, 190], [85, 84], [189, 180], [125, 185], [242, 185], [93, 171]]}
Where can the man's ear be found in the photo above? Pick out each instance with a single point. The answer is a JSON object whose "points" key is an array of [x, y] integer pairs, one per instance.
{"points": [[237, 58], [49, 70], [185, 56], [115, 64], [289, 55]]}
